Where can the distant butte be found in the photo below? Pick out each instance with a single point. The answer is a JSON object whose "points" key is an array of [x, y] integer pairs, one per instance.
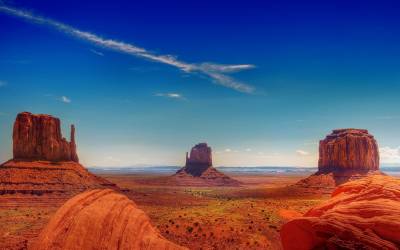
{"points": [[345, 154], [44, 162], [198, 170]]}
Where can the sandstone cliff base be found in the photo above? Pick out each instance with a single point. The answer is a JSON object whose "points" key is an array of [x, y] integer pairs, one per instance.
{"points": [[101, 219], [363, 214], [44, 177]]}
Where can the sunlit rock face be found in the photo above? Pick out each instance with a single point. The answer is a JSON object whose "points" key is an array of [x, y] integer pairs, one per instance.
{"points": [[361, 214], [348, 149], [101, 219], [38, 137], [344, 155]]}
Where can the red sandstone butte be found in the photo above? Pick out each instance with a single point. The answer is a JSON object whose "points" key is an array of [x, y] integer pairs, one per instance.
{"points": [[44, 162], [38, 137], [101, 219], [344, 155], [348, 149], [198, 170], [362, 214]]}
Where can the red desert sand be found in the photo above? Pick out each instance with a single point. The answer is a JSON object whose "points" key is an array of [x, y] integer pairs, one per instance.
{"points": [[362, 214], [101, 219]]}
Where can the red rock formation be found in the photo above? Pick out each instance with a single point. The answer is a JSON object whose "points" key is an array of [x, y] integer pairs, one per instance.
{"points": [[200, 159], [44, 162], [199, 171], [362, 214], [38, 137], [200, 154], [348, 149], [101, 219], [344, 155]]}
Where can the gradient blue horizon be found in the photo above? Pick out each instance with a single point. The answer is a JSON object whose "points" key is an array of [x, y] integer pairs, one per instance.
{"points": [[318, 66]]}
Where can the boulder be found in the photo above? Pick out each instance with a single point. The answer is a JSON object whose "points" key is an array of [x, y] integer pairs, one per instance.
{"points": [[38, 137], [101, 219], [362, 214]]}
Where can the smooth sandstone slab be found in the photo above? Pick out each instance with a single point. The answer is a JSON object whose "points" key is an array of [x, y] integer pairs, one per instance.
{"points": [[362, 214], [101, 219]]}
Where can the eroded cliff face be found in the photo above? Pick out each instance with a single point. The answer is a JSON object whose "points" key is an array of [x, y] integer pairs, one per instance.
{"points": [[362, 214], [344, 155], [38, 137], [101, 219], [348, 149]]}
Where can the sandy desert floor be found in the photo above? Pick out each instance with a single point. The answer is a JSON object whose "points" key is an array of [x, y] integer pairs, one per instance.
{"points": [[246, 217]]}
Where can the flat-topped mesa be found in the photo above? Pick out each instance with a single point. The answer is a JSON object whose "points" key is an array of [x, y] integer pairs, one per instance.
{"points": [[344, 155], [38, 137], [348, 149]]}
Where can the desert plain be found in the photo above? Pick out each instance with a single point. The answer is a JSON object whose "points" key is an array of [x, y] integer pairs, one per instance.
{"points": [[244, 217]]}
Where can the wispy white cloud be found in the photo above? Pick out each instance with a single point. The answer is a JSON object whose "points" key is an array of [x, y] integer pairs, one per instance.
{"points": [[65, 99], [389, 155], [3, 83], [97, 52], [216, 72], [171, 95], [302, 152]]}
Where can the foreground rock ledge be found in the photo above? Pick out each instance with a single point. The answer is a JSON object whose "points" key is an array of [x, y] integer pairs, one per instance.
{"points": [[101, 219], [362, 214]]}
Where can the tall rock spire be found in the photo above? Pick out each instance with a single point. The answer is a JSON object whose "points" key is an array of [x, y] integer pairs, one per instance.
{"points": [[74, 155]]}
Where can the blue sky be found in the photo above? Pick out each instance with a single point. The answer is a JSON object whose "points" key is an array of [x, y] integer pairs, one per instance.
{"points": [[260, 82]]}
